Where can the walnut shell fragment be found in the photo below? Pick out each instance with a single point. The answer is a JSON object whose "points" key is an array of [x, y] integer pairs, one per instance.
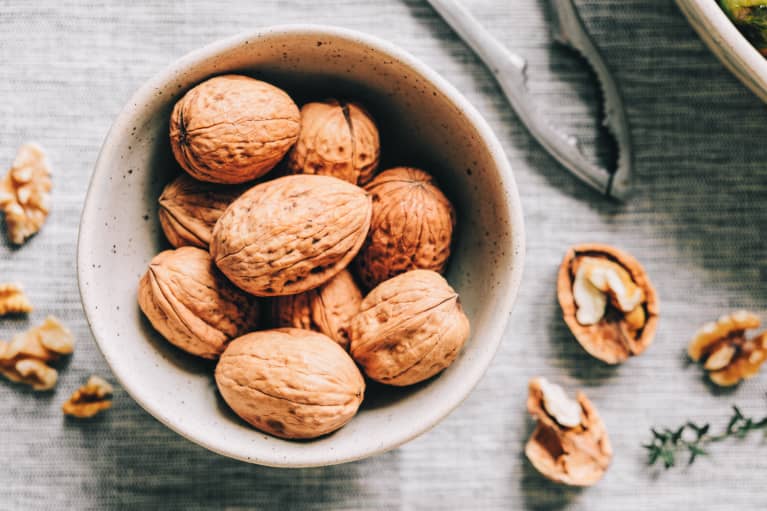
{"points": [[338, 139], [232, 129], [409, 328], [328, 309], [192, 305], [291, 234], [726, 353], [189, 209], [13, 300], [290, 383], [26, 357], [607, 302], [577, 453], [411, 227], [25, 193], [92, 398]]}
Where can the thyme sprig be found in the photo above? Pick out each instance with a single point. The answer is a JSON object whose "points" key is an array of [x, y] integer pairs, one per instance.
{"points": [[691, 439]]}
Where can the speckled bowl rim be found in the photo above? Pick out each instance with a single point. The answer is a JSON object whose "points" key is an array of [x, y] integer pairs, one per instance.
{"points": [[473, 373]]}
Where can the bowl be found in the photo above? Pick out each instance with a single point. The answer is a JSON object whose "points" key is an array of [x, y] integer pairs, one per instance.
{"points": [[424, 122], [727, 43]]}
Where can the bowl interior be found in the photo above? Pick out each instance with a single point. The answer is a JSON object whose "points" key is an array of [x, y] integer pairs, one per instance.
{"points": [[424, 122]]}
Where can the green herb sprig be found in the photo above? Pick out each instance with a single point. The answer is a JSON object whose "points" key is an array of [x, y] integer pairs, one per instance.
{"points": [[691, 439]]}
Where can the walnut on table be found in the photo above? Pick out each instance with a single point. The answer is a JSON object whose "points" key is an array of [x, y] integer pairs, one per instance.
{"points": [[25, 193], [13, 300], [90, 399]]}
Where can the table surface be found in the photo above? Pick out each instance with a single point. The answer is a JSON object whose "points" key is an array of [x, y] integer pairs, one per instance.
{"points": [[695, 221]]}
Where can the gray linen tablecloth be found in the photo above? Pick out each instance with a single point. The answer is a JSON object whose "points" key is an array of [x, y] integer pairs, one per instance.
{"points": [[696, 222]]}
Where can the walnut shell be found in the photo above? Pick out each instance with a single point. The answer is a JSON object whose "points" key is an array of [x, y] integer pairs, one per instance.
{"points": [[290, 383], [192, 305], [328, 309], [291, 234], [337, 139], [411, 227], [232, 129], [409, 328], [613, 339], [189, 209]]}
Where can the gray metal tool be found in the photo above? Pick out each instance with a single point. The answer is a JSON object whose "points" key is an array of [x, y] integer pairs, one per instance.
{"points": [[509, 70]]}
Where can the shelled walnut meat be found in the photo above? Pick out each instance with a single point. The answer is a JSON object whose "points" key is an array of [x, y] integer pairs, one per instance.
{"points": [[232, 129], [89, 400], [290, 383], [725, 352], [570, 443], [25, 193], [607, 302], [291, 234], [328, 309], [409, 328], [13, 300], [192, 305], [411, 227], [189, 209], [337, 138]]}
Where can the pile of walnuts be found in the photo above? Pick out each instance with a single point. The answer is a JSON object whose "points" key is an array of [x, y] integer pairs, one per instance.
{"points": [[265, 275]]}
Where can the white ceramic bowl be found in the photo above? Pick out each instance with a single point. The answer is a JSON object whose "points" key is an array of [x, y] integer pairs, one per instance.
{"points": [[424, 120], [727, 43]]}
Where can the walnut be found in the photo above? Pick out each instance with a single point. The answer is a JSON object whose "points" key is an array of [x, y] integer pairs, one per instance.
{"points": [[192, 305], [291, 234], [90, 399], [724, 350], [607, 302], [189, 209], [337, 139], [290, 383], [409, 328], [25, 193], [232, 129], [570, 443], [411, 227], [13, 300], [328, 309], [24, 359]]}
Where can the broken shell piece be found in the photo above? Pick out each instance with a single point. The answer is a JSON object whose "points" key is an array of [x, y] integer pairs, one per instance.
{"points": [[13, 300], [25, 193], [577, 455], [725, 351], [607, 302], [90, 399]]}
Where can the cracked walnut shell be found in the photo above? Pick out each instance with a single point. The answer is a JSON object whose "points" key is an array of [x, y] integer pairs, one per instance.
{"points": [[570, 443], [726, 353], [607, 302], [25, 193], [409, 328], [411, 227], [328, 309], [90, 399], [291, 234], [13, 300], [232, 129], [290, 383], [189, 209], [192, 305], [337, 139]]}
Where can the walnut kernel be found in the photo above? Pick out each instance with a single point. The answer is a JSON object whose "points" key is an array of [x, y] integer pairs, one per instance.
{"points": [[90, 399], [13, 300], [25, 193]]}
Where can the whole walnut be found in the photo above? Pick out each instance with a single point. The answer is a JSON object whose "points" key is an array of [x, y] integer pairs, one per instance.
{"points": [[232, 129], [328, 309], [290, 383], [291, 234], [337, 139], [189, 209], [192, 305], [409, 328], [411, 226]]}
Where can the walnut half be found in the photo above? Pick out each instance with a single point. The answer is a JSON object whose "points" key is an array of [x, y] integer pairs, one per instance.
{"points": [[724, 350], [90, 399], [607, 302], [25, 193], [570, 443], [13, 300]]}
